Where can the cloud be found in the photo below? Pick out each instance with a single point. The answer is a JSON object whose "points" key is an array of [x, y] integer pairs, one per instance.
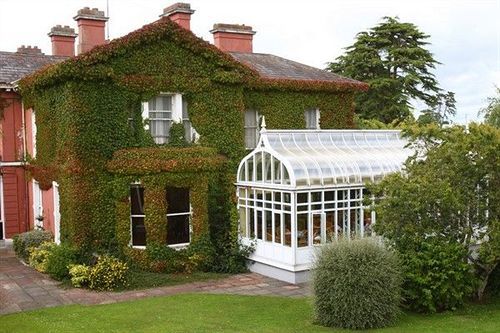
{"points": [[465, 35]]}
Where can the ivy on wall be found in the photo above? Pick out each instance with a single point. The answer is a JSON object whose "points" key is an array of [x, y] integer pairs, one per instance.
{"points": [[91, 138]]}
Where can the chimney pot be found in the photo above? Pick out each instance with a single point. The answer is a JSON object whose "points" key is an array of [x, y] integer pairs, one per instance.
{"points": [[179, 13], [91, 28], [233, 37], [29, 49], [63, 40]]}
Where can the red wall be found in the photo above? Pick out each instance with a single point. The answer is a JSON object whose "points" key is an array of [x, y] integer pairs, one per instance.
{"points": [[14, 177]]}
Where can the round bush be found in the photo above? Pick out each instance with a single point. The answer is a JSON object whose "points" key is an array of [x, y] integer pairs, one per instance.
{"points": [[25, 242], [58, 260], [109, 273], [357, 285]]}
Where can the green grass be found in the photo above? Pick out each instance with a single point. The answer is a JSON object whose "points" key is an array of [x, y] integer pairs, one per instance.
{"points": [[144, 280], [226, 313]]}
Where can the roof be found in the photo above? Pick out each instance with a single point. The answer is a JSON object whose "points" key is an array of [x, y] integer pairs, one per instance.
{"points": [[84, 65], [16, 65], [321, 158], [270, 66], [260, 70]]}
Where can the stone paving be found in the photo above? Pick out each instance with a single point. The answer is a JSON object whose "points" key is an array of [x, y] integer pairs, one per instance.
{"points": [[22, 288]]}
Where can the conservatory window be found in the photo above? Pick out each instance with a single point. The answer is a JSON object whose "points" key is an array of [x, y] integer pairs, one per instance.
{"points": [[312, 118], [251, 128], [265, 215], [137, 215], [178, 215]]}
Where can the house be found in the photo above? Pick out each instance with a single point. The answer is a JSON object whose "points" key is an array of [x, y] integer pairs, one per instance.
{"points": [[18, 211], [139, 138]]}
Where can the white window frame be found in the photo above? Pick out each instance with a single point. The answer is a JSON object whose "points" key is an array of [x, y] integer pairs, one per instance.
{"points": [[190, 213], [176, 115], [174, 246], [317, 118], [256, 128], [131, 242]]}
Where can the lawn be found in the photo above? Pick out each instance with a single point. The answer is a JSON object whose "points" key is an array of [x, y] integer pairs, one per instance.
{"points": [[226, 313], [144, 280]]}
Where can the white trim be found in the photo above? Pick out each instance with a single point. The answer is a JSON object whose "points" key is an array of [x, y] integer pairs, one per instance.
{"points": [[37, 204], [33, 131], [12, 164], [57, 214]]}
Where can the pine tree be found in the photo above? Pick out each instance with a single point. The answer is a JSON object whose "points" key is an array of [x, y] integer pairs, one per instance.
{"points": [[392, 58]]}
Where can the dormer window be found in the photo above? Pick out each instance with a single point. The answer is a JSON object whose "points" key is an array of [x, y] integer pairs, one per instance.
{"points": [[163, 110]]}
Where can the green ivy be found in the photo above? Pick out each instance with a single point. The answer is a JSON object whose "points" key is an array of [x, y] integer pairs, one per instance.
{"points": [[91, 137]]}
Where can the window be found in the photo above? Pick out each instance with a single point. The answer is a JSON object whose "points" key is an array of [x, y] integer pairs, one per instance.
{"points": [[137, 215], [160, 117], [190, 133], [161, 111], [178, 215], [251, 128], [312, 118]]}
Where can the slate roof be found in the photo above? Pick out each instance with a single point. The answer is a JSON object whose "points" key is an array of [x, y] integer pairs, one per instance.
{"points": [[270, 66], [16, 65]]}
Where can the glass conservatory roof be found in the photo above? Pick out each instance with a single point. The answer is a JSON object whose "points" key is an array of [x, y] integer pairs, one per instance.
{"points": [[304, 158]]}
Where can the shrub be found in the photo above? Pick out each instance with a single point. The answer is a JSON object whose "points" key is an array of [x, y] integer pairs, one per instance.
{"points": [[493, 287], [109, 273], [39, 256], [357, 285], [80, 275], [23, 243], [436, 276], [165, 259], [58, 260]]}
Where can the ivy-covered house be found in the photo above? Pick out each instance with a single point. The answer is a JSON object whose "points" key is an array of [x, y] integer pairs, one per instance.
{"points": [[141, 137]]}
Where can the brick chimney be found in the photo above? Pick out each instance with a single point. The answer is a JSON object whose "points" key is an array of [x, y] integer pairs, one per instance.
{"points": [[29, 50], [63, 40], [233, 37], [180, 13], [91, 26]]}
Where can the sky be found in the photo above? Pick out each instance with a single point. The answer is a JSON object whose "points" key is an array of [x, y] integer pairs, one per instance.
{"points": [[465, 34]]}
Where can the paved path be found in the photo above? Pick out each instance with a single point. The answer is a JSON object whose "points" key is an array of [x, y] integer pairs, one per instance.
{"points": [[22, 288]]}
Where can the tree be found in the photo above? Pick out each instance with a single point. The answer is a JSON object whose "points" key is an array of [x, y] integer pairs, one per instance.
{"points": [[492, 111], [392, 58], [449, 193]]}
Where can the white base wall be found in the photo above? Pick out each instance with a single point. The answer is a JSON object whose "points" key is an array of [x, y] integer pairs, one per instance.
{"points": [[279, 273]]}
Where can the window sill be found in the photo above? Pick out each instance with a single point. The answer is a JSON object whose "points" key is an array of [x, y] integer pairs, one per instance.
{"points": [[180, 246], [173, 246]]}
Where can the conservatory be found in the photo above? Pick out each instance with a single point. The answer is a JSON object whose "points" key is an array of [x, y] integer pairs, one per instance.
{"points": [[302, 188]]}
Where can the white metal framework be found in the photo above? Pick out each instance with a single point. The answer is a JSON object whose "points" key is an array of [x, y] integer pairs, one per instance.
{"points": [[301, 188]]}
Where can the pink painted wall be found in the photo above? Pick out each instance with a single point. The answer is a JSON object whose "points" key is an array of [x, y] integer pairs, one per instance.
{"points": [[15, 191], [48, 210]]}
